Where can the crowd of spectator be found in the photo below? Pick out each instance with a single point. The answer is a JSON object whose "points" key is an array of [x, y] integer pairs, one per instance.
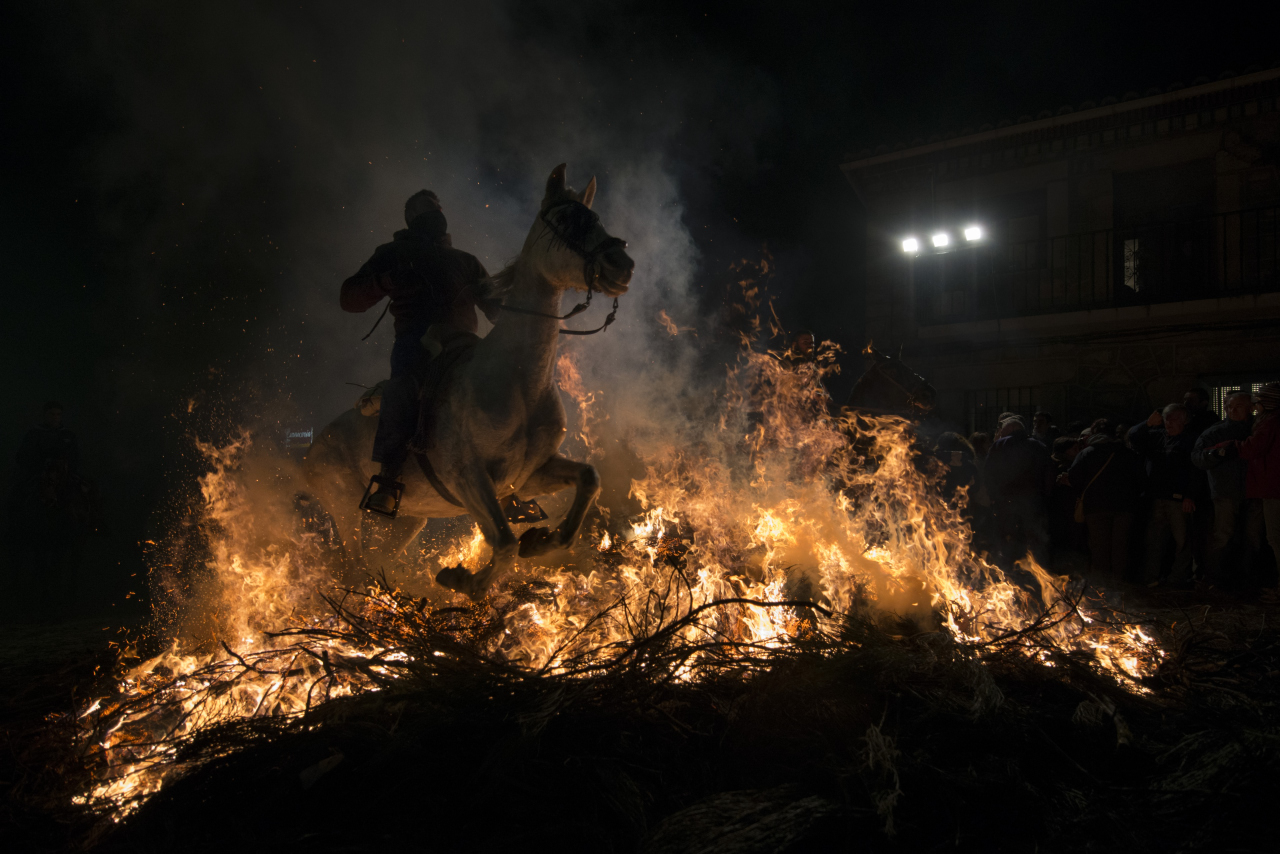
{"points": [[1182, 498]]}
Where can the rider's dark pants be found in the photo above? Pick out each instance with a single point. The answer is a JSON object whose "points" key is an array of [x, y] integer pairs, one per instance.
{"points": [[398, 418]]}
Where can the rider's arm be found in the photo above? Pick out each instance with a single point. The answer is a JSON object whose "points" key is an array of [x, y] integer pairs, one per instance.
{"points": [[364, 290], [486, 300]]}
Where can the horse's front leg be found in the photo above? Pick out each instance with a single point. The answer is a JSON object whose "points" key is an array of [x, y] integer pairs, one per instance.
{"points": [[478, 495], [556, 474]]}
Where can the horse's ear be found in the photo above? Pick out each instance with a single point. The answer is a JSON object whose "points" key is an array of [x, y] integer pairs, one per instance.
{"points": [[589, 194], [555, 184]]}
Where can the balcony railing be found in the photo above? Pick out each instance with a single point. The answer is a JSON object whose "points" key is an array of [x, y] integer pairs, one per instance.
{"points": [[1223, 255]]}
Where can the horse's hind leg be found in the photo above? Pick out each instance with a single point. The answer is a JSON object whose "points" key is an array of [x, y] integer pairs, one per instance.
{"points": [[479, 496], [556, 474]]}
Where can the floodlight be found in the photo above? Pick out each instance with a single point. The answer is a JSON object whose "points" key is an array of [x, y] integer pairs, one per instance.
{"points": [[911, 245], [973, 232], [941, 239]]}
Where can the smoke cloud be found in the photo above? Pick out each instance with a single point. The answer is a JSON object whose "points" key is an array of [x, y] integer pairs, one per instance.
{"points": [[239, 161]]}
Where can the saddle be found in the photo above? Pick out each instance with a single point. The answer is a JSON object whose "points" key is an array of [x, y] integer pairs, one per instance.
{"points": [[449, 348]]}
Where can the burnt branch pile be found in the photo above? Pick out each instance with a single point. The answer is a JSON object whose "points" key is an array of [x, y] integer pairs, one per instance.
{"points": [[864, 730]]}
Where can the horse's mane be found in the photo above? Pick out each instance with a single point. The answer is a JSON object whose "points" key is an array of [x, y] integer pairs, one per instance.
{"points": [[500, 283]]}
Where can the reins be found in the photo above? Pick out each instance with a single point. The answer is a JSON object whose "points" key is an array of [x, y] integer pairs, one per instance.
{"points": [[576, 310], [583, 219]]}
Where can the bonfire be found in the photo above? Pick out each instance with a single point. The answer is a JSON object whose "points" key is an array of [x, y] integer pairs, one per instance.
{"points": [[772, 531]]}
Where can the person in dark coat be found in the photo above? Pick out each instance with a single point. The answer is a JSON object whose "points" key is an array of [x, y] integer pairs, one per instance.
{"points": [[1233, 513], [1262, 479], [1200, 416], [1110, 478], [49, 444], [955, 452], [1043, 430], [1019, 475], [428, 283], [1174, 486], [1065, 535]]}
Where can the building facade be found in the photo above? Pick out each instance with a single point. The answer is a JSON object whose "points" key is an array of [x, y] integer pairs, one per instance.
{"points": [[1096, 262]]}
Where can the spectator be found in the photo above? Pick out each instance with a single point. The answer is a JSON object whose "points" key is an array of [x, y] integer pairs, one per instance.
{"points": [[1065, 535], [1262, 479], [980, 498], [957, 455], [1064, 450], [1110, 477], [1196, 401], [1043, 429], [1075, 428], [1019, 475], [981, 444], [1232, 512], [1173, 486]]}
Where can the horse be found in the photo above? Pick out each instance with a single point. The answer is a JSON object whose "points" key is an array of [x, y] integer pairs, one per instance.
{"points": [[888, 387], [498, 418]]}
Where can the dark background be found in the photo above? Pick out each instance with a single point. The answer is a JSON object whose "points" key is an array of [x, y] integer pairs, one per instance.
{"points": [[184, 189]]}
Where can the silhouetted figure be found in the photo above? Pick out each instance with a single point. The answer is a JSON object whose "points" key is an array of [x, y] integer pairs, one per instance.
{"points": [[429, 283], [1233, 513], [1019, 475], [1262, 479], [1174, 486], [53, 509], [1109, 477], [1200, 416], [801, 351], [1066, 535], [1043, 430]]}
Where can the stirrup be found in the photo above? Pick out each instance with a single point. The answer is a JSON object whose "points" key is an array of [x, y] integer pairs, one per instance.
{"points": [[388, 484]]}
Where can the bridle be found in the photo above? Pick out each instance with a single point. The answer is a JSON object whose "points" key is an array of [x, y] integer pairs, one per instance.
{"points": [[912, 399], [577, 222]]}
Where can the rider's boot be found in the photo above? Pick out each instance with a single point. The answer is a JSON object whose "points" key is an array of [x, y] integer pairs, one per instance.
{"points": [[385, 498]]}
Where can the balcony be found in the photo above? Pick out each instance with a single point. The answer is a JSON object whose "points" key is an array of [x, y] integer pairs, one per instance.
{"points": [[1224, 255]]}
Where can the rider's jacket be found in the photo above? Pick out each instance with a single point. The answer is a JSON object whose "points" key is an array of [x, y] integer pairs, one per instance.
{"points": [[44, 451], [427, 280]]}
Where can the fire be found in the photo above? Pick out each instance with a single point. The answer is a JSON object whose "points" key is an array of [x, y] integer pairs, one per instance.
{"points": [[748, 517]]}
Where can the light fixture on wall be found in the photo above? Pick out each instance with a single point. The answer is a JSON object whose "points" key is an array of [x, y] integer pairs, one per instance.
{"points": [[941, 240]]}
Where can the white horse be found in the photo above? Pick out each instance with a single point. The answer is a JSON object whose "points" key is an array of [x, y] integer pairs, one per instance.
{"points": [[499, 416]]}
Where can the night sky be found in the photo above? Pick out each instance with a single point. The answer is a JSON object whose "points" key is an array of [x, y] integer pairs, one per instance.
{"points": [[184, 191]]}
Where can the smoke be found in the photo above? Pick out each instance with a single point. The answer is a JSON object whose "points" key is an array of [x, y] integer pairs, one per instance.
{"points": [[240, 160], [263, 154]]}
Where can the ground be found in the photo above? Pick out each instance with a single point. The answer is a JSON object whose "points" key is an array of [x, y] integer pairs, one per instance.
{"points": [[879, 737]]}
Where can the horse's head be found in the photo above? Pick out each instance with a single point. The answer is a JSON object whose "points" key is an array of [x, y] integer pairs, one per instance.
{"points": [[890, 386], [570, 247]]}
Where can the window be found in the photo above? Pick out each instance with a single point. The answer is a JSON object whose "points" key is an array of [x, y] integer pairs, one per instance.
{"points": [[1218, 394], [1131, 264], [983, 406]]}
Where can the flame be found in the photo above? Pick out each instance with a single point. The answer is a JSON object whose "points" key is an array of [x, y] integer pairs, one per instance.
{"points": [[770, 496]]}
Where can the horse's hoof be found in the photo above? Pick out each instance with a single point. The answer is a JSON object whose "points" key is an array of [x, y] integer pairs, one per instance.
{"points": [[536, 541], [456, 578]]}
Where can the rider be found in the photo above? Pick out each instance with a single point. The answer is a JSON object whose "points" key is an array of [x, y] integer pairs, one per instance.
{"points": [[428, 283], [48, 446]]}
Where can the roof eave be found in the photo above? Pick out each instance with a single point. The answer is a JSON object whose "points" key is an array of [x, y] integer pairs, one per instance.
{"points": [[1066, 119]]}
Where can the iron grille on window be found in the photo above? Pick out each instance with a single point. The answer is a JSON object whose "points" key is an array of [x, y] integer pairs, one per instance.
{"points": [[1218, 394], [1222, 255], [983, 406]]}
